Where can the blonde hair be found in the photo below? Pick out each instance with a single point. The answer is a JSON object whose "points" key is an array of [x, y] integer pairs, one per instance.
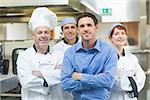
{"points": [[52, 34]]}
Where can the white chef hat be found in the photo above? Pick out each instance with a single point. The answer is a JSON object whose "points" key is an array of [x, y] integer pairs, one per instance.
{"points": [[113, 26], [68, 20], [42, 16]]}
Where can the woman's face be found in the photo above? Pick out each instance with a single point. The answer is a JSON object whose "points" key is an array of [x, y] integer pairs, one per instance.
{"points": [[119, 37]]}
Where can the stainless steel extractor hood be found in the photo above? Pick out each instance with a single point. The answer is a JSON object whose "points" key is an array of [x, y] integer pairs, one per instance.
{"points": [[106, 11], [20, 10]]}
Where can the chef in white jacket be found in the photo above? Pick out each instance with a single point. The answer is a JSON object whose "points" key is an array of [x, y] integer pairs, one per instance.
{"points": [[128, 67], [70, 37], [36, 66]]}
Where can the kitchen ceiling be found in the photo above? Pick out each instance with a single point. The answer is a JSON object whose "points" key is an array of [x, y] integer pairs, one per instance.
{"points": [[12, 11]]}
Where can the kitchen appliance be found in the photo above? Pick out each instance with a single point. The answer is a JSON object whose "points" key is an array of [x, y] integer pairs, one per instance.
{"points": [[5, 66], [15, 54], [1, 58]]}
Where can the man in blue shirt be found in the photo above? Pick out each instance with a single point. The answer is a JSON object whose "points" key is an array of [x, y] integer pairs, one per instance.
{"points": [[89, 66]]}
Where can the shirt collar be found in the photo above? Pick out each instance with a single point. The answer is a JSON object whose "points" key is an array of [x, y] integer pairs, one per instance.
{"points": [[96, 47], [48, 50], [123, 53]]}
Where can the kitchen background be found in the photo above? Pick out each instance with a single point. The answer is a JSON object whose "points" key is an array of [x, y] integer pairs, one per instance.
{"points": [[134, 14]]}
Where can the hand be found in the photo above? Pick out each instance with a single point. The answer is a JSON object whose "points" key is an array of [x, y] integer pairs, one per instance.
{"points": [[38, 74], [118, 73], [76, 76], [58, 66]]}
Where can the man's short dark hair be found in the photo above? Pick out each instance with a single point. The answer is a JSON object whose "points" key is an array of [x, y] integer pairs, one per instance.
{"points": [[87, 14]]}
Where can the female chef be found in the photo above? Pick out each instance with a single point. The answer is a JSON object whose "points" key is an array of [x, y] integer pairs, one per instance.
{"points": [[36, 65], [130, 77]]}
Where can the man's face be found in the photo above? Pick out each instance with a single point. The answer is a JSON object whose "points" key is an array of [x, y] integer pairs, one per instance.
{"points": [[87, 28], [69, 31], [41, 36]]}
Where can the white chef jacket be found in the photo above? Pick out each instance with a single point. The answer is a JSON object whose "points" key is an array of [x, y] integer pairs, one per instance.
{"points": [[127, 66], [62, 47], [32, 86]]}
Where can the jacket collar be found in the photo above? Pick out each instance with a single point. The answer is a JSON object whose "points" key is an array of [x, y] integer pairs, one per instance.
{"points": [[123, 54], [48, 50]]}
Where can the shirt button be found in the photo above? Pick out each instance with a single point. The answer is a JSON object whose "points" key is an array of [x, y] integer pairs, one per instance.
{"points": [[123, 69]]}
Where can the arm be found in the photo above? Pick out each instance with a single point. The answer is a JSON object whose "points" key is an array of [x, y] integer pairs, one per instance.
{"points": [[27, 80], [105, 79], [52, 77], [88, 81], [68, 83], [122, 84], [139, 76], [37, 73], [51, 72]]}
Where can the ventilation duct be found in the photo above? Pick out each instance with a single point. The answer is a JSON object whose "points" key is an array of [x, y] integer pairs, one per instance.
{"points": [[148, 11], [20, 10]]}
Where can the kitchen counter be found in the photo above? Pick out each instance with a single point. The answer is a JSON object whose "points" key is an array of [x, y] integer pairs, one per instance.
{"points": [[7, 83], [5, 77]]}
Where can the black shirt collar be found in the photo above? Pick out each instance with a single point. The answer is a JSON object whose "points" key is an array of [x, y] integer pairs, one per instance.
{"points": [[123, 54], [44, 53]]}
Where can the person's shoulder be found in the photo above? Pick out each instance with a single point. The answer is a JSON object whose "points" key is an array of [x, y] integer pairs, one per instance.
{"points": [[28, 51], [73, 48], [105, 44], [130, 55], [57, 45], [106, 47], [60, 46]]}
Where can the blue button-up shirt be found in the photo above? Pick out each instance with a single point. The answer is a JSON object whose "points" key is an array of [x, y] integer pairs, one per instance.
{"points": [[97, 66]]}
